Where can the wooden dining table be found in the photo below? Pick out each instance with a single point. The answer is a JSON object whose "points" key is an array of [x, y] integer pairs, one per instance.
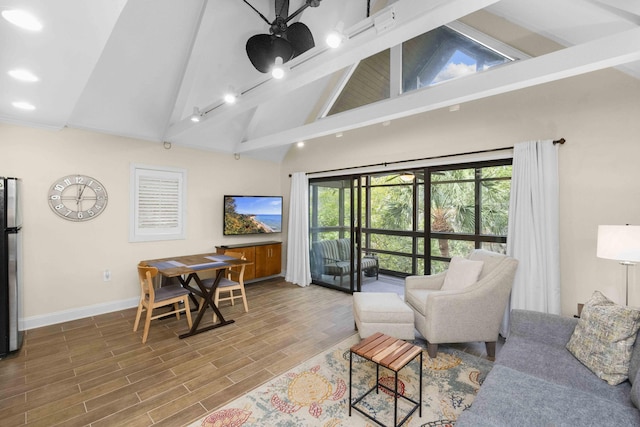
{"points": [[187, 269]]}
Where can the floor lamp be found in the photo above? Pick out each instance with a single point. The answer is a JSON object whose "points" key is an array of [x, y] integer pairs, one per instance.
{"points": [[622, 243]]}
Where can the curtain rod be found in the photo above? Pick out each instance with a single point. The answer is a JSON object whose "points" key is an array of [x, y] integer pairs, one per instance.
{"points": [[444, 156]]}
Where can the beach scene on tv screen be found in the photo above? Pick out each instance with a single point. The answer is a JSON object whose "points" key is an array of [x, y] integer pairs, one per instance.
{"points": [[252, 215]]}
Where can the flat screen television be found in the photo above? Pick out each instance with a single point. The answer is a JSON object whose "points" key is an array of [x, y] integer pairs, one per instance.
{"points": [[252, 215]]}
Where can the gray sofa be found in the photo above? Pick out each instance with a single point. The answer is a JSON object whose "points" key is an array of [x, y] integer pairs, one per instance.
{"points": [[536, 381]]}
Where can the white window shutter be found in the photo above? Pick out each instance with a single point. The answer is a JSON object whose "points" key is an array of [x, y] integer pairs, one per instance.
{"points": [[158, 203]]}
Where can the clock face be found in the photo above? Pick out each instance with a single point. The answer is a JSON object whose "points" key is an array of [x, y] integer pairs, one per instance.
{"points": [[77, 197]]}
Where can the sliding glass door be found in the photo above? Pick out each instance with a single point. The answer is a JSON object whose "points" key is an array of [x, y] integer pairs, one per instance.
{"points": [[405, 222], [334, 233]]}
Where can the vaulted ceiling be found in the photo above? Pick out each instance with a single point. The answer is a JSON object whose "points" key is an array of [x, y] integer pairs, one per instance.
{"points": [[137, 68]]}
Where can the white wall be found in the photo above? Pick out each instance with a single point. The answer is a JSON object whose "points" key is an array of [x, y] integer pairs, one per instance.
{"points": [[599, 116], [64, 261]]}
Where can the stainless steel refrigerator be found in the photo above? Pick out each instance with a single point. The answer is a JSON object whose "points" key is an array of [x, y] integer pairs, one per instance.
{"points": [[10, 265]]}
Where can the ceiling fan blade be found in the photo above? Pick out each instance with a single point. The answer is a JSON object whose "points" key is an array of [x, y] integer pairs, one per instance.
{"points": [[263, 49], [300, 38]]}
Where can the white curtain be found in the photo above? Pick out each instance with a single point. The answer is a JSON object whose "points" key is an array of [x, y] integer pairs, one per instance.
{"points": [[298, 267], [533, 229]]}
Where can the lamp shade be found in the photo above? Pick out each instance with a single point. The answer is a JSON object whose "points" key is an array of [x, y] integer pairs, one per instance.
{"points": [[619, 242]]}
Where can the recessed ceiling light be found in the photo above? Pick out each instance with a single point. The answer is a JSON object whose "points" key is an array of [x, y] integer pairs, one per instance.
{"points": [[23, 105], [22, 19], [23, 75], [300, 144]]}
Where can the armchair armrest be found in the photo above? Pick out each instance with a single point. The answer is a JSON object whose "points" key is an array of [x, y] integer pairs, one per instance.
{"points": [[461, 315], [432, 282]]}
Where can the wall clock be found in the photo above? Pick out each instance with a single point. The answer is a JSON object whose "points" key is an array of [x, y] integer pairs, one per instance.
{"points": [[77, 197]]}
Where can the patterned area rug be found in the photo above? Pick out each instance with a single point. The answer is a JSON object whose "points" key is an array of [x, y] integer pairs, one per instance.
{"points": [[316, 392]]}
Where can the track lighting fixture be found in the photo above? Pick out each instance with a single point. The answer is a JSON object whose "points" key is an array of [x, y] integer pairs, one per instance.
{"points": [[336, 36], [195, 117], [231, 96]]}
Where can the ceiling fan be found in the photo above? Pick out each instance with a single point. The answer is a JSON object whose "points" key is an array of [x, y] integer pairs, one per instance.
{"points": [[284, 40]]}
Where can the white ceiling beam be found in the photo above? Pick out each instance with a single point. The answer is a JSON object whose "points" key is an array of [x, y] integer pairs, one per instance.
{"points": [[411, 18], [630, 7], [598, 54]]}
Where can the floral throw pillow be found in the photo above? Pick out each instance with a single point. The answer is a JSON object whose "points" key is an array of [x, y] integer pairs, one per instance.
{"points": [[604, 337]]}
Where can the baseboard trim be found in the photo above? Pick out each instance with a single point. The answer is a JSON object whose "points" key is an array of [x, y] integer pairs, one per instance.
{"points": [[48, 319]]}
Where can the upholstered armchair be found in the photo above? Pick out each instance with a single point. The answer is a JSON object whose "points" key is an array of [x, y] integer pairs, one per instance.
{"points": [[466, 306]]}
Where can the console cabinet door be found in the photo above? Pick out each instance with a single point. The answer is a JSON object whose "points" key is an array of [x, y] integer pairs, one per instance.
{"points": [[268, 260]]}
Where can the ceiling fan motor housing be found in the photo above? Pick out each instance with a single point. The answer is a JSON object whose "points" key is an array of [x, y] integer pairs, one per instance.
{"points": [[283, 41]]}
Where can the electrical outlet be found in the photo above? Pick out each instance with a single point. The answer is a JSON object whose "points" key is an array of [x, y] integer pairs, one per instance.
{"points": [[106, 275]]}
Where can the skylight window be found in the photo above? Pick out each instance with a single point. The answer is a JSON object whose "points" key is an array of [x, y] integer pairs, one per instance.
{"points": [[446, 53]]}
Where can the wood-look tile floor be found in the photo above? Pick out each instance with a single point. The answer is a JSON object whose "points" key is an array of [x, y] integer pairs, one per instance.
{"points": [[96, 371]]}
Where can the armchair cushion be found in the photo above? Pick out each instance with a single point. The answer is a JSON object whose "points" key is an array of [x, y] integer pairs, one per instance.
{"points": [[461, 273]]}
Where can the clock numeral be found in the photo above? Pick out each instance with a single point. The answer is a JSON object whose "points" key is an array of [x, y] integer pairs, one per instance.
{"points": [[59, 187], [55, 197], [98, 207], [80, 216], [68, 212], [67, 181], [79, 180], [91, 213], [60, 206]]}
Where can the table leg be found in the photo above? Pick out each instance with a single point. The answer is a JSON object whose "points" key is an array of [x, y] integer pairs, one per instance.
{"points": [[420, 401], [350, 368], [395, 400], [208, 302]]}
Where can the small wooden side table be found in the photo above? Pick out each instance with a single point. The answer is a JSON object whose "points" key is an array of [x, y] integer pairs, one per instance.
{"points": [[393, 354]]}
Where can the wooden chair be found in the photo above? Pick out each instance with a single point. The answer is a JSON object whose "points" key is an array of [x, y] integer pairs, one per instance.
{"points": [[151, 298], [234, 281]]}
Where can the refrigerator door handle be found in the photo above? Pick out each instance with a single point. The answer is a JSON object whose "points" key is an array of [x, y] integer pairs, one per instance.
{"points": [[15, 336], [14, 216]]}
